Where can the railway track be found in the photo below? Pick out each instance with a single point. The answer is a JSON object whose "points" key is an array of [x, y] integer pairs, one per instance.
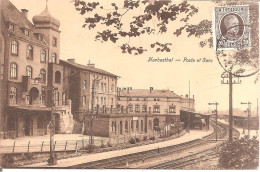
{"points": [[125, 160], [196, 157]]}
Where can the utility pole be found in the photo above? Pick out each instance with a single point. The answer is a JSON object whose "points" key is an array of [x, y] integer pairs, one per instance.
{"points": [[248, 115], [230, 82], [216, 104], [92, 107], [52, 121]]}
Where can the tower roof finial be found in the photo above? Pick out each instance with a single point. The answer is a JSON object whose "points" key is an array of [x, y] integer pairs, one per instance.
{"points": [[46, 3]]}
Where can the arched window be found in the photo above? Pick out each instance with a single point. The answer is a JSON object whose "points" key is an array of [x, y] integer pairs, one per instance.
{"points": [[43, 56], [14, 48], [57, 77], [40, 122], [13, 70], [13, 95], [53, 58], [29, 71], [29, 52], [43, 75]]}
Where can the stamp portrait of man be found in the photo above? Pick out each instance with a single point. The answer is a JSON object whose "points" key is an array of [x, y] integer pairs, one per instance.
{"points": [[232, 27]]}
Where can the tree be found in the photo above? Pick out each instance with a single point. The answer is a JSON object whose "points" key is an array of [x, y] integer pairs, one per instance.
{"points": [[153, 17], [241, 154]]}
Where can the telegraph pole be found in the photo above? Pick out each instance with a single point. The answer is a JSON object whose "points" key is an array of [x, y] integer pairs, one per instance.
{"points": [[230, 82], [248, 115], [216, 104]]}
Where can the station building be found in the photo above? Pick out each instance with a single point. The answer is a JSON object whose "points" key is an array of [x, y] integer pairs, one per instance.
{"points": [[30, 71], [140, 111]]}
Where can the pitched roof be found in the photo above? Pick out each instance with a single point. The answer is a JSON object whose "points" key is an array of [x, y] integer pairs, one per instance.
{"points": [[12, 14], [147, 93], [88, 68]]}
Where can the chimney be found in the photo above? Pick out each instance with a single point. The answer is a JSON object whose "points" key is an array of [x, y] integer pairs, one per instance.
{"points": [[25, 12], [91, 64], [127, 90], [193, 97], [71, 60], [187, 95], [151, 89], [130, 88]]}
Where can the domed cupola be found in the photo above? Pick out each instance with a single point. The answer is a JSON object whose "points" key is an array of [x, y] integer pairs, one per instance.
{"points": [[46, 20]]}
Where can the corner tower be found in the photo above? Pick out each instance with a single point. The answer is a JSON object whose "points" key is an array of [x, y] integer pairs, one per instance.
{"points": [[49, 26]]}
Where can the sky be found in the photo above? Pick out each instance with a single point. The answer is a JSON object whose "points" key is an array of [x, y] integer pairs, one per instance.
{"points": [[136, 71]]}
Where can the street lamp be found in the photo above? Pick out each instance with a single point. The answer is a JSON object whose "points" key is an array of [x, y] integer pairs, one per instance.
{"points": [[249, 114], [216, 104]]}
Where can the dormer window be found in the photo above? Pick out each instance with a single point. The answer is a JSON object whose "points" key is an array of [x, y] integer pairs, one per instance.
{"points": [[11, 26], [26, 32]]}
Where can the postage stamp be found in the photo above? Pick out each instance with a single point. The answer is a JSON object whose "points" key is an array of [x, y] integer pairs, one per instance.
{"points": [[231, 27]]}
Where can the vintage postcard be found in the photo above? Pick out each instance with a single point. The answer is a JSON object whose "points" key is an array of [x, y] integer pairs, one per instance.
{"points": [[129, 84]]}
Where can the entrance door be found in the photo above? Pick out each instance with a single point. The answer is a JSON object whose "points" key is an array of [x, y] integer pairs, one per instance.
{"points": [[28, 126]]}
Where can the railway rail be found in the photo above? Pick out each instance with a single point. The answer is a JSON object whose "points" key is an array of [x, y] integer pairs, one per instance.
{"points": [[125, 160]]}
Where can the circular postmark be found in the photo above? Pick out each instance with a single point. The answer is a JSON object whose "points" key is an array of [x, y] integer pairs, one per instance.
{"points": [[240, 61]]}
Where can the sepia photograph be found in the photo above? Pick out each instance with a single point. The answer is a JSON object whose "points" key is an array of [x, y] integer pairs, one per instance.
{"points": [[129, 84]]}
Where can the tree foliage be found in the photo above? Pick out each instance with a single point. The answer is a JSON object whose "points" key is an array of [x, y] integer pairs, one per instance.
{"points": [[153, 18], [240, 154]]}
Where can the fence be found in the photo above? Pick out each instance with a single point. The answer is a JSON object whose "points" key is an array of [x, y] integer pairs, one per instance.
{"points": [[67, 145]]}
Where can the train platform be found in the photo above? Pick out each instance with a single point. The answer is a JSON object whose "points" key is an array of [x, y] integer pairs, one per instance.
{"points": [[63, 163], [243, 132]]}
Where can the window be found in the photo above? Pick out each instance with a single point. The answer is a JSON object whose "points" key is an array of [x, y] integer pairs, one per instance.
{"points": [[26, 32], [14, 48], [29, 52], [102, 86], [132, 124], [130, 99], [40, 122], [126, 126], [13, 95], [101, 100], [84, 101], [172, 109], [11, 26], [144, 108], [137, 108], [105, 101], [150, 124], [64, 98], [113, 126], [53, 58], [137, 125], [142, 125], [84, 84], [13, 70], [57, 98], [43, 75], [112, 87], [130, 108], [54, 41], [112, 101], [40, 37], [156, 109], [43, 56], [42, 98], [105, 87], [57, 77], [29, 71]]}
